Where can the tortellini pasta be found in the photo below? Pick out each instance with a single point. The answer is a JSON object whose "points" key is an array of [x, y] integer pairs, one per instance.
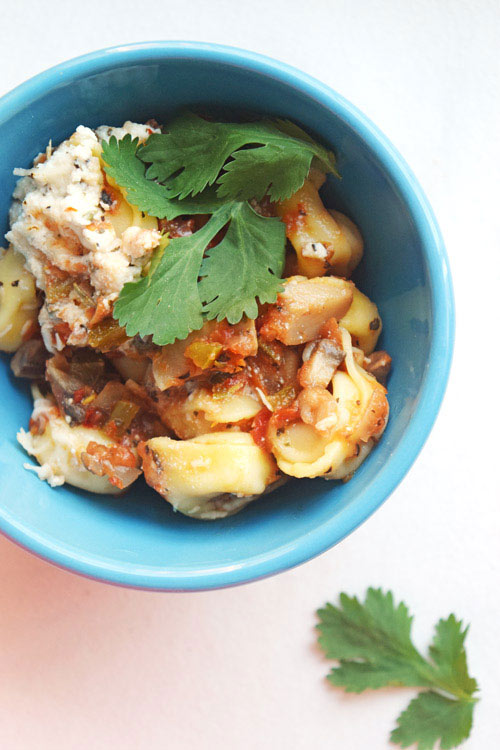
{"points": [[197, 475], [58, 450], [304, 306], [323, 240], [302, 450], [18, 305], [124, 215], [200, 411], [363, 321], [227, 409]]}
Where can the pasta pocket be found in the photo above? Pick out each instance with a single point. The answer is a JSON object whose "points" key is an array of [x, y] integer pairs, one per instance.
{"points": [[18, 304], [59, 450], [197, 475], [327, 444], [363, 322], [323, 240]]}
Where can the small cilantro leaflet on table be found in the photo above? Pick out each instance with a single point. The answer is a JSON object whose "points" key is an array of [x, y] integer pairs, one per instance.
{"points": [[372, 643], [203, 167]]}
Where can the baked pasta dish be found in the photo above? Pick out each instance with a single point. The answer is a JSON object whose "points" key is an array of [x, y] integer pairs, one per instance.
{"points": [[180, 299]]}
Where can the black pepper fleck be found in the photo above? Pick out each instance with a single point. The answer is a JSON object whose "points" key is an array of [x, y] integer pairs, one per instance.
{"points": [[106, 198]]}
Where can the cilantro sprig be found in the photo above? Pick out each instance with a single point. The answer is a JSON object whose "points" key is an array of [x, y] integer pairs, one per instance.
{"points": [[202, 167], [371, 640], [266, 157], [122, 164], [246, 265]]}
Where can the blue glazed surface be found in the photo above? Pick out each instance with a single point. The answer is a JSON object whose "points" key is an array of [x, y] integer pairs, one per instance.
{"points": [[138, 540]]}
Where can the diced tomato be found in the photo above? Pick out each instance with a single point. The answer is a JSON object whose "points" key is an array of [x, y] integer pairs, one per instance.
{"points": [[79, 395], [93, 417], [179, 227], [102, 310], [117, 455], [111, 429], [283, 417], [330, 330]]}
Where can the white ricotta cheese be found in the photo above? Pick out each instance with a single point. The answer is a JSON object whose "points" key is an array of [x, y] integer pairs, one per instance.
{"points": [[57, 220]]}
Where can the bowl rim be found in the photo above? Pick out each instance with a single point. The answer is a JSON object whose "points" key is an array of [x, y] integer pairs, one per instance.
{"points": [[332, 531]]}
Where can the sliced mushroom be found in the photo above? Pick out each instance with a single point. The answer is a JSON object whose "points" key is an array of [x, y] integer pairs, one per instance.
{"points": [[318, 408], [378, 364], [321, 359], [63, 386], [304, 306], [29, 360]]}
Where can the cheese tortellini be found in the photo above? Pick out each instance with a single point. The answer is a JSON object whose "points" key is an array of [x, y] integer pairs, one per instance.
{"points": [[323, 240], [197, 475], [58, 448], [18, 305], [303, 450], [363, 322]]}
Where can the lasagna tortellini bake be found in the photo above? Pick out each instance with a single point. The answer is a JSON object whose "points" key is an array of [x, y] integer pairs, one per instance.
{"points": [[214, 419]]}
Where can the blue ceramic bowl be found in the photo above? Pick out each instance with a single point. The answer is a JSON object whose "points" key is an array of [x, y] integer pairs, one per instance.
{"points": [[138, 540]]}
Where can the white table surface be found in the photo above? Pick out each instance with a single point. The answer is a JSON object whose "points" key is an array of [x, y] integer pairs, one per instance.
{"points": [[84, 664]]}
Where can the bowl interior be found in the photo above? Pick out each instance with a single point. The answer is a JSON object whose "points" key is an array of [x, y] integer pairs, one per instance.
{"points": [[138, 539]]}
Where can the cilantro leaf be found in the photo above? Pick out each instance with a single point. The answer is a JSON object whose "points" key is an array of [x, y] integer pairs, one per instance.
{"points": [[168, 303], [430, 717], [245, 265], [371, 641], [194, 151], [122, 164], [448, 654], [271, 169]]}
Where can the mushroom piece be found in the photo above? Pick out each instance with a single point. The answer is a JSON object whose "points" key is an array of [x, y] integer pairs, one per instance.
{"points": [[29, 360], [378, 364], [63, 386], [304, 306], [321, 359], [318, 408]]}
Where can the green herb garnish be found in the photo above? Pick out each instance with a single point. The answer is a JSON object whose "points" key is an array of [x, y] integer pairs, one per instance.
{"points": [[129, 172], [372, 643], [171, 301], [202, 167], [193, 153]]}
